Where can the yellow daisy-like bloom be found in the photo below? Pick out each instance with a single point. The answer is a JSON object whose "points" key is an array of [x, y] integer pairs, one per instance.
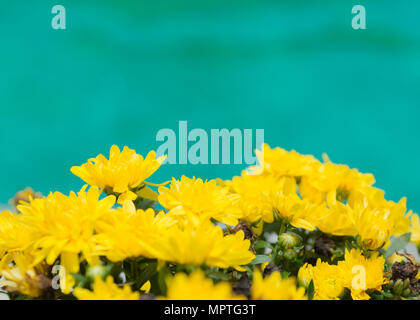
{"points": [[336, 180], [253, 194], [15, 235], [280, 162], [197, 287], [273, 287], [327, 281], [203, 243], [106, 290], [366, 214], [65, 226], [128, 232], [336, 220], [415, 229], [376, 222], [194, 198], [124, 171], [289, 206], [360, 274], [21, 274]]}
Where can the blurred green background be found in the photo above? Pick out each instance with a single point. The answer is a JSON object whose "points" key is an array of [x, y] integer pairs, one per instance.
{"points": [[125, 69]]}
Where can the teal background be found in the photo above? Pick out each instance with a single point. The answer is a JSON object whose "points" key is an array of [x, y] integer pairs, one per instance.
{"points": [[125, 69]]}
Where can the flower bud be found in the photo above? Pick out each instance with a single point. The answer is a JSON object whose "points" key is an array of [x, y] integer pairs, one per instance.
{"points": [[290, 254], [406, 292], [398, 287], [305, 275], [406, 283], [289, 240]]}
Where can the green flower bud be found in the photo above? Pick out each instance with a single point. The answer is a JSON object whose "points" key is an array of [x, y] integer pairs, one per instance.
{"points": [[398, 287], [289, 240], [406, 283], [290, 254], [406, 292]]}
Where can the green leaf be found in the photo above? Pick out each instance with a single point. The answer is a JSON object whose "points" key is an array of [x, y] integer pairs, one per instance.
{"points": [[81, 280], [146, 274], [217, 275], [311, 290], [262, 244], [163, 273], [147, 193], [397, 244], [260, 259]]}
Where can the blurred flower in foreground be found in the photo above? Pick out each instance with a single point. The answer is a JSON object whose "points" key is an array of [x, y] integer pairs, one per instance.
{"points": [[273, 287], [106, 290], [197, 287]]}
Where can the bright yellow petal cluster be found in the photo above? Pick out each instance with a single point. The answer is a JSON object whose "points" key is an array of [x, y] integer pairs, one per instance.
{"points": [[64, 227], [15, 234], [204, 244], [129, 233], [331, 197], [279, 163], [415, 229], [197, 287], [124, 171], [273, 287], [334, 180], [360, 274], [106, 290], [103, 230], [22, 275], [137, 233], [251, 194], [194, 198], [355, 272]]}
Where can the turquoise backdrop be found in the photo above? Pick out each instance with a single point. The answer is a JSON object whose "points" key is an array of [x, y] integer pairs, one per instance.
{"points": [[122, 70]]}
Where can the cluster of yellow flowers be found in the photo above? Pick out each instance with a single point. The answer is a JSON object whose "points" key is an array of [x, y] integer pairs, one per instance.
{"points": [[120, 235]]}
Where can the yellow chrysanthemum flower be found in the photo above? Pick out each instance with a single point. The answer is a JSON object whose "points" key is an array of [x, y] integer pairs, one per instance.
{"points": [[194, 198], [124, 171], [280, 162], [22, 275], [128, 232], [197, 287], [360, 274], [65, 226], [336, 219], [376, 222], [253, 194], [415, 229], [328, 284], [15, 234], [366, 214], [290, 207], [203, 243], [273, 287], [106, 290], [336, 180]]}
